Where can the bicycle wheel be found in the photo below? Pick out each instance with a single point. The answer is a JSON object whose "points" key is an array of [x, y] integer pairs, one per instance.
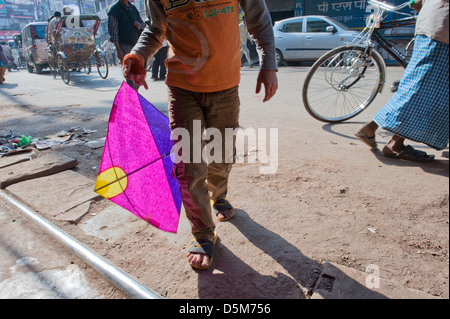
{"points": [[342, 83], [64, 70], [102, 65]]}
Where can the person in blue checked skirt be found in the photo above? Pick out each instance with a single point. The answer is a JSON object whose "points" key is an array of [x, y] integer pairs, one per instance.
{"points": [[419, 109]]}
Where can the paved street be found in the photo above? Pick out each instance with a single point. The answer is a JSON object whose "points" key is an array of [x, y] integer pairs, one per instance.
{"points": [[85, 92], [32, 264], [332, 200]]}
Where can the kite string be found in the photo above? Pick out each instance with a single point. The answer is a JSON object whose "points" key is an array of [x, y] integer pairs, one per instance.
{"points": [[118, 179]]}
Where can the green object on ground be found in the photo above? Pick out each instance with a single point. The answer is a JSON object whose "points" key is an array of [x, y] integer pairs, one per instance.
{"points": [[24, 140]]}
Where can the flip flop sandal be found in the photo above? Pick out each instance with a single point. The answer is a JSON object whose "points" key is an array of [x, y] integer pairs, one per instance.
{"points": [[409, 153], [221, 205], [367, 140], [203, 246]]}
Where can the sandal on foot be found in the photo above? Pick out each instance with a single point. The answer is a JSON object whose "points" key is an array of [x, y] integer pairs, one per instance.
{"points": [[366, 140], [203, 246], [221, 205], [408, 153]]}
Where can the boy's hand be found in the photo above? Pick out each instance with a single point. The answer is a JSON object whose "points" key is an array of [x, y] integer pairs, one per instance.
{"points": [[270, 81], [134, 69]]}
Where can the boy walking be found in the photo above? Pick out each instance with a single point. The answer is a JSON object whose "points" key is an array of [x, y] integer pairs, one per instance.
{"points": [[203, 78]]}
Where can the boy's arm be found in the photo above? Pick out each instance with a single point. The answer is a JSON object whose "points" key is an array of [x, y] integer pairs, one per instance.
{"points": [[259, 25], [154, 34], [150, 41]]}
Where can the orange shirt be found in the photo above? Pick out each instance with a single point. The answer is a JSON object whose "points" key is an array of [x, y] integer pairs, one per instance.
{"points": [[204, 41]]}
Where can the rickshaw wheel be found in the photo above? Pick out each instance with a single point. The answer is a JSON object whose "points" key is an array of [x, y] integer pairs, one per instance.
{"points": [[102, 66], [64, 70]]}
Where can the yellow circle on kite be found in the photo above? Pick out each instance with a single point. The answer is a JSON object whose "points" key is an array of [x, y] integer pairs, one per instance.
{"points": [[111, 182]]}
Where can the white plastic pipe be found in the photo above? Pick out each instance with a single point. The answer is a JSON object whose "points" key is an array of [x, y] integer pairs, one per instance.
{"points": [[117, 277]]}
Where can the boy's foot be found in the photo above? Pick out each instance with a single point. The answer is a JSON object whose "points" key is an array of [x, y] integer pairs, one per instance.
{"points": [[201, 253], [223, 209]]}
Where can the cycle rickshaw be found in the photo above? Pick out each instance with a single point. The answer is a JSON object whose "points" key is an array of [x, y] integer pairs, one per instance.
{"points": [[74, 47]]}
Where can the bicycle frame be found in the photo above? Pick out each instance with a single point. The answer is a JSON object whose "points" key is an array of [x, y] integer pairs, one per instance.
{"points": [[345, 81], [378, 38], [371, 33]]}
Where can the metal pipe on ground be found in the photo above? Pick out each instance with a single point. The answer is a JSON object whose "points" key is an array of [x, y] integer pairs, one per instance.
{"points": [[117, 277]]}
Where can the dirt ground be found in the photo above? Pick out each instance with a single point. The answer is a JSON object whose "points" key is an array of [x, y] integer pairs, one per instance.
{"points": [[331, 199]]}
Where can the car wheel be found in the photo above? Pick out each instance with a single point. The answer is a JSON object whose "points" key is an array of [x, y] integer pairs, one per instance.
{"points": [[29, 68], [279, 57], [37, 68]]}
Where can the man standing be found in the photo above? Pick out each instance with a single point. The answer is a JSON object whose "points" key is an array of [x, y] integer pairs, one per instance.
{"points": [[203, 77], [124, 26], [49, 36], [110, 51], [159, 64], [49, 33]]}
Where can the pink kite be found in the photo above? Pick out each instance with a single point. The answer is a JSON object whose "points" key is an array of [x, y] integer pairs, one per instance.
{"points": [[136, 168]]}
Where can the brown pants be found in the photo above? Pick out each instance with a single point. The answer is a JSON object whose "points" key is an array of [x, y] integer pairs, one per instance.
{"points": [[2, 74], [202, 182]]}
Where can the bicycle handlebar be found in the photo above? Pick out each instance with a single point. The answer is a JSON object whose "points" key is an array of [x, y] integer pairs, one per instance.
{"points": [[388, 7]]}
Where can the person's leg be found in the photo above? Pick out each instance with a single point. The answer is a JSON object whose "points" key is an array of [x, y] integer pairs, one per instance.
{"points": [[367, 132], [222, 113], [396, 144], [155, 65], [369, 129], [163, 57], [186, 113], [397, 149], [246, 53], [2, 74]]}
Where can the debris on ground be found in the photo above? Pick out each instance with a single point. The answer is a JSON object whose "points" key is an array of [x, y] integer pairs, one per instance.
{"points": [[16, 142]]}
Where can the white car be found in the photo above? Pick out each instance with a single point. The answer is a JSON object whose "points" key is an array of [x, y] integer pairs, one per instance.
{"points": [[34, 46], [307, 38]]}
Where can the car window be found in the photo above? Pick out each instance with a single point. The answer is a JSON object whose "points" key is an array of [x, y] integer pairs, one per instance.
{"points": [[340, 24], [39, 31], [292, 26], [317, 25]]}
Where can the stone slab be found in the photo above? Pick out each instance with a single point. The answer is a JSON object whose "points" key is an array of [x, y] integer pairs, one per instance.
{"points": [[16, 158], [110, 224], [55, 194], [41, 166], [74, 215], [340, 282], [96, 143]]}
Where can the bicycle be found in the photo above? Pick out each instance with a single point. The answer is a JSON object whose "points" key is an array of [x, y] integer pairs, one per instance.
{"points": [[345, 81]]}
